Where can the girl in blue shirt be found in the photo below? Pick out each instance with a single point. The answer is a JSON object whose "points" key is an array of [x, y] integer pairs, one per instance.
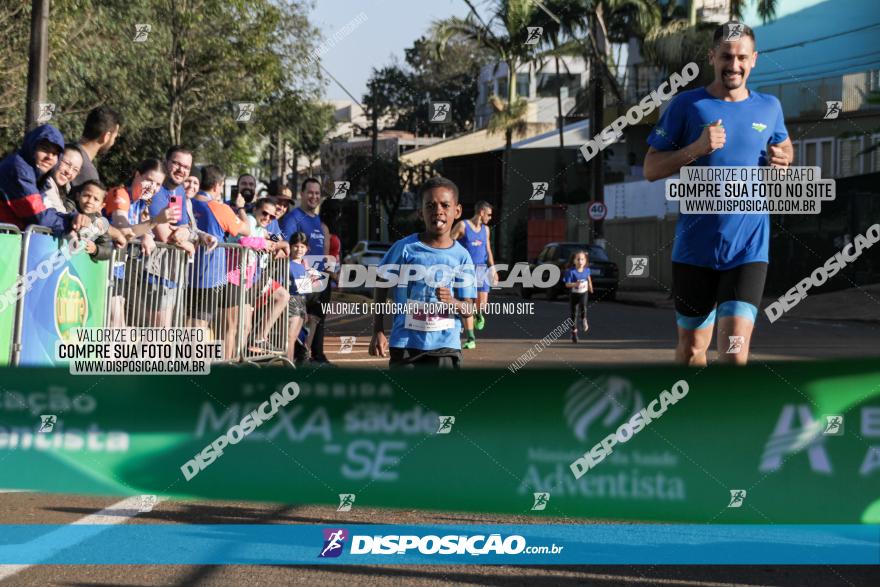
{"points": [[579, 284]]}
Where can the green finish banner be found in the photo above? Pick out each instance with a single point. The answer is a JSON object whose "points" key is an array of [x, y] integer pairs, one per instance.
{"points": [[771, 443], [10, 251]]}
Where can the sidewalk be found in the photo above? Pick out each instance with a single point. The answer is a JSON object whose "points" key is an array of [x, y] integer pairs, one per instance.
{"points": [[860, 304]]}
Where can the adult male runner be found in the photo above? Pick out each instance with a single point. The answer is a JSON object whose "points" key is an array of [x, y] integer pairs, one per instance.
{"points": [[719, 260], [473, 234]]}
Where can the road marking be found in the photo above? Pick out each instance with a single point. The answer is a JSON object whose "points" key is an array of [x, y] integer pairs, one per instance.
{"points": [[117, 513]]}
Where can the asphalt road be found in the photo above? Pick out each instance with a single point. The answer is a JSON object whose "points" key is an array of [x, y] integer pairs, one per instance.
{"points": [[619, 334], [35, 508]]}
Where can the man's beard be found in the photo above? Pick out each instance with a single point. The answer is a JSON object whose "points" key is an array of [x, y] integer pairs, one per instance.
{"points": [[247, 194], [732, 83]]}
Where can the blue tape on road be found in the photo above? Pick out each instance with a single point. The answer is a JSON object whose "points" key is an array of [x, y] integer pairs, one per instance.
{"points": [[223, 544]]}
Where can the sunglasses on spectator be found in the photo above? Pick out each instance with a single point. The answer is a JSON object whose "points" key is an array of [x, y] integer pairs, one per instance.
{"points": [[267, 215]]}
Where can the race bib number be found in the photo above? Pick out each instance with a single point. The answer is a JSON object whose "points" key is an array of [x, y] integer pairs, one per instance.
{"points": [[422, 319], [581, 286]]}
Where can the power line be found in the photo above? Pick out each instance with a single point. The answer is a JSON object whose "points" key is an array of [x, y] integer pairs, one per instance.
{"points": [[779, 80], [786, 69], [338, 83], [800, 44]]}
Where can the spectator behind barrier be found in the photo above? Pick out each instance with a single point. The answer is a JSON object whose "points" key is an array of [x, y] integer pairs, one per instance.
{"points": [[21, 202], [56, 185], [89, 199], [215, 218], [99, 135]]}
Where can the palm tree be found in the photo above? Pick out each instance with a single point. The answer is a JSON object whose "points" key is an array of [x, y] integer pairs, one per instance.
{"points": [[679, 39], [503, 37], [600, 21]]}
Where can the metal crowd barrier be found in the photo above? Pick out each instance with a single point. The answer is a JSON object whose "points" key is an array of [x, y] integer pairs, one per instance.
{"points": [[10, 248], [238, 294], [146, 290], [167, 288]]}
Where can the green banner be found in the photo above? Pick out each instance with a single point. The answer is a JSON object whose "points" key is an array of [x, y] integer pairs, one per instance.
{"points": [[10, 250], [771, 443], [69, 292]]}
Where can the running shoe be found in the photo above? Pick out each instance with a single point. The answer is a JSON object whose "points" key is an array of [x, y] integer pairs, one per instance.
{"points": [[469, 344], [479, 321], [574, 336], [586, 326]]}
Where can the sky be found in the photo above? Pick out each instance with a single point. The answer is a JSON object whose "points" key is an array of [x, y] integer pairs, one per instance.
{"points": [[390, 27], [384, 28]]}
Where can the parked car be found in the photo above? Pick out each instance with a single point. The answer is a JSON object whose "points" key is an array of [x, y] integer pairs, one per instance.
{"points": [[602, 270], [366, 253]]}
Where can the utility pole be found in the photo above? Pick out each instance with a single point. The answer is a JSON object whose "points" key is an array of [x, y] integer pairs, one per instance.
{"points": [[597, 115], [38, 61]]}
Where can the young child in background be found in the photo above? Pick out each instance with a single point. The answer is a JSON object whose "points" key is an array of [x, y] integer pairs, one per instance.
{"points": [[579, 284], [90, 201], [301, 281]]}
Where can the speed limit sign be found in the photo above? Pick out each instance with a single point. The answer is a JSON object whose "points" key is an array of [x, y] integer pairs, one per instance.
{"points": [[597, 211]]}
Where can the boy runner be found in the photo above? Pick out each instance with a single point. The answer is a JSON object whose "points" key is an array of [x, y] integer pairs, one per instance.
{"points": [[473, 235], [719, 261], [427, 339]]}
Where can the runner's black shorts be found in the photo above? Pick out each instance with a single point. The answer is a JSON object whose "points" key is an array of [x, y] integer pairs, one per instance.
{"points": [[702, 294], [411, 358]]}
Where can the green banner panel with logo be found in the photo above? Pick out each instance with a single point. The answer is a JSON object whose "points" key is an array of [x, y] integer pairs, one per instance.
{"points": [[10, 252], [770, 443], [67, 293]]}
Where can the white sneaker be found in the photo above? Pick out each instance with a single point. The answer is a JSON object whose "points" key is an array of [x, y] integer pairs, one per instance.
{"points": [[585, 325]]}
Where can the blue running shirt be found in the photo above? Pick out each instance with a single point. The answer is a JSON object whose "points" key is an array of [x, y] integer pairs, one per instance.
{"points": [[474, 241], [419, 331], [722, 241]]}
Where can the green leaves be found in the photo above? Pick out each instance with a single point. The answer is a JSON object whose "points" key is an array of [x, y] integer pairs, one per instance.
{"points": [[177, 85]]}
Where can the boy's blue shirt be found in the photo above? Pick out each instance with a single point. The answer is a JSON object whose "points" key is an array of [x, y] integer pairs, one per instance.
{"points": [[406, 329]]}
